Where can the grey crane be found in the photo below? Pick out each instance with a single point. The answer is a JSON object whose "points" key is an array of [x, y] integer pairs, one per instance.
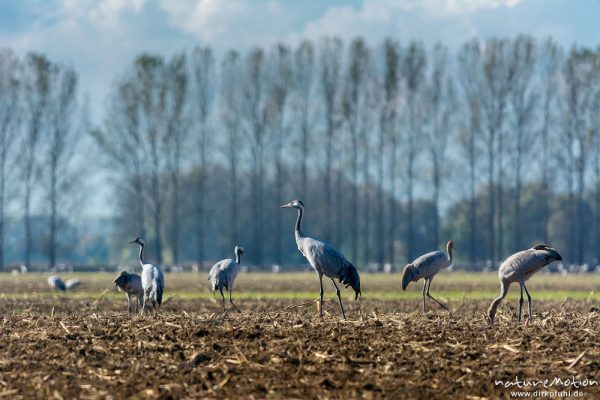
{"points": [[153, 280], [57, 283], [427, 266], [518, 268], [72, 283], [223, 274], [325, 260], [131, 284]]}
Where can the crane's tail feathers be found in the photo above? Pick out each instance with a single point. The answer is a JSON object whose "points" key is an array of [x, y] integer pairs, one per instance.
{"points": [[349, 277], [407, 275]]}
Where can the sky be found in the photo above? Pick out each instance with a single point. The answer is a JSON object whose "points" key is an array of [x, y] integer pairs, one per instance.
{"points": [[101, 38]]}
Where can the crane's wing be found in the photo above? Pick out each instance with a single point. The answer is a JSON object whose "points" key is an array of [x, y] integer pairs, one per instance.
{"points": [[429, 264], [332, 263], [520, 266]]}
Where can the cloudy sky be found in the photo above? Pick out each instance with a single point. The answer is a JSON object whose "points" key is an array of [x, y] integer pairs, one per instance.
{"points": [[100, 38]]}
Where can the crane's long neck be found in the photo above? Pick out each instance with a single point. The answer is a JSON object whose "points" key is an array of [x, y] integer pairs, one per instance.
{"points": [[142, 254], [238, 258], [450, 255], [299, 223], [496, 302]]}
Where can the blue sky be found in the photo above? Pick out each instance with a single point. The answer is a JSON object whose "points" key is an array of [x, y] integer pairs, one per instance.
{"points": [[100, 38]]}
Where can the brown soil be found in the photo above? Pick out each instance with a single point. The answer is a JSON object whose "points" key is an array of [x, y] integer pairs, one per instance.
{"points": [[277, 349]]}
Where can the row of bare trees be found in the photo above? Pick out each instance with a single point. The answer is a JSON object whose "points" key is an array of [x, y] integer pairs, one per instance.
{"points": [[395, 148], [42, 127]]}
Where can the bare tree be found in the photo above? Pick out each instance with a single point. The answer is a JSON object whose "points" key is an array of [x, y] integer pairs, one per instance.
{"points": [[10, 120], [203, 65], [230, 105], [177, 131], [441, 105], [414, 72], [389, 134], [353, 105], [470, 129], [550, 78], [254, 114], [330, 76], [61, 143], [303, 93], [279, 91], [523, 101], [37, 95]]}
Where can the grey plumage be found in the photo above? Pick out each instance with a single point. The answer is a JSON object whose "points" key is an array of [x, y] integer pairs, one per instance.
{"points": [[325, 260], [131, 284], [57, 283], [223, 274], [426, 267], [518, 268], [72, 283], [153, 280]]}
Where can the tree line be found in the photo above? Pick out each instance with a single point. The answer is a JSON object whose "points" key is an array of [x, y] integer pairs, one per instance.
{"points": [[394, 149]]}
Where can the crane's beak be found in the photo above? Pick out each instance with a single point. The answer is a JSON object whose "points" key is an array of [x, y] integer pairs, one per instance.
{"points": [[288, 205], [133, 241]]}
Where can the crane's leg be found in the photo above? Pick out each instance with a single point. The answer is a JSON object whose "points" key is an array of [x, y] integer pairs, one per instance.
{"points": [[528, 303], [128, 304], [231, 300], [521, 302], [143, 305], [222, 297], [337, 290], [424, 291], [433, 298], [321, 295]]}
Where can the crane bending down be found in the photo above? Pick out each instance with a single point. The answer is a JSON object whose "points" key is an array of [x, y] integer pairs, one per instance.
{"points": [[223, 274], [427, 266], [518, 268], [57, 283], [131, 284], [325, 260], [153, 280]]}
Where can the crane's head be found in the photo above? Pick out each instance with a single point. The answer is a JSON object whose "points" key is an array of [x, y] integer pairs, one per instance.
{"points": [[294, 204], [239, 250], [139, 241], [407, 275]]}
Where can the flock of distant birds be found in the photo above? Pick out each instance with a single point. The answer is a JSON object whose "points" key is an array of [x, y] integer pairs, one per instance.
{"points": [[328, 262]]}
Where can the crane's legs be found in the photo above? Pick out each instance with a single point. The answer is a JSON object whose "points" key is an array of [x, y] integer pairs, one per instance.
{"points": [[321, 295], [231, 300], [424, 291], [128, 304], [143, 305], [433, 298], [222, 297], [528, 303], [521, 302], [337, 290]]}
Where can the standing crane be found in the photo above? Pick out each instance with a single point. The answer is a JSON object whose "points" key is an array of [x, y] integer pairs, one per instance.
{"points": [[427, 266], [325, 260], [131, 284], [153, 280], [223, 274], [518, 268]]}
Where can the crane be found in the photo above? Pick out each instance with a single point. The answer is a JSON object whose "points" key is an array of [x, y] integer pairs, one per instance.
{"points": [[223, 274], [325, 260], [57, 283], [518, 268], [131, 284], [153, 280], [427, 266]]}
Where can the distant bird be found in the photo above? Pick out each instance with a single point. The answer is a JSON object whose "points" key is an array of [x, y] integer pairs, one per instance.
{"points": [[131, 284], [153, 280], [223, 274], [325, 260], [518, 268], [57, 283], [427, 266], [72, 283]]}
